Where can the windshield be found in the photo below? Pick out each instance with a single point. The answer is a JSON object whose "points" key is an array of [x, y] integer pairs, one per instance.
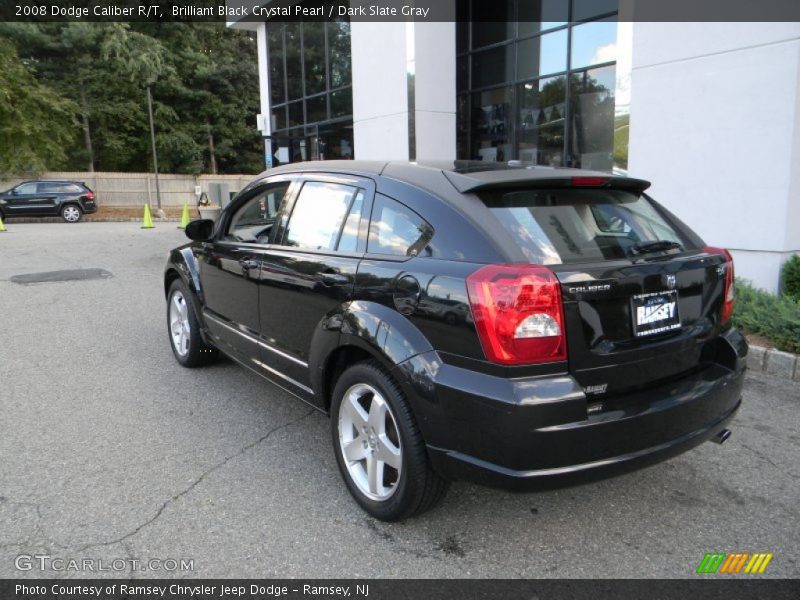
{"points": [[582, 225]]}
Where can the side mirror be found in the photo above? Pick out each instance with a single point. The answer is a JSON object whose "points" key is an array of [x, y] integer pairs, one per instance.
{"points": [[200, 230]]}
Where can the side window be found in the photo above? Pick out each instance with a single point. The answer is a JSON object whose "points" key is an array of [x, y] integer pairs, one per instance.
{"points": [[61, 188], [26, 188], [253, 221], [396, 229], [319, 215], [348, 242]]}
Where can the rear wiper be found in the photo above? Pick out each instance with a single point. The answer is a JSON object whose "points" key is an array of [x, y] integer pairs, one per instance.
{"points": [[653, 246]]}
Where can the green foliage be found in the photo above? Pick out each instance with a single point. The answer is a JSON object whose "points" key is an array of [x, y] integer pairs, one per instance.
{"points": [[777, 318], [36, 124], [203, 78], [791, 277]]}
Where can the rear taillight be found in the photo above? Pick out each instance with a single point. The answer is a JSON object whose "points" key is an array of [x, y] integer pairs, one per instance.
{"points": [[727, 304], [89, 195], [518, 313]]}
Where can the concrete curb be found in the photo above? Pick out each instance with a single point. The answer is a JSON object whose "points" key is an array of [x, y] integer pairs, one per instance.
{"points": [[89, 219], [774, 362]]}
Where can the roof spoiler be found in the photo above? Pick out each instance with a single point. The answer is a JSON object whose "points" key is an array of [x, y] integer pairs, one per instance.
{"points": [[505, 179]]}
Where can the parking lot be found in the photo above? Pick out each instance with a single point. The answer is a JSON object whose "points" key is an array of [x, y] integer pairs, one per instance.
{"points": [[110, 450]]}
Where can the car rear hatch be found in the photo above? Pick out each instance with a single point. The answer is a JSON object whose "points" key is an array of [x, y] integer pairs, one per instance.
{"points": [[643, 299]]}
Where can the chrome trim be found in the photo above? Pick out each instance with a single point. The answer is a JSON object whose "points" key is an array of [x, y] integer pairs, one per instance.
{"points": [[277, 373], [257, 341], [266, 377], [302, 363]]}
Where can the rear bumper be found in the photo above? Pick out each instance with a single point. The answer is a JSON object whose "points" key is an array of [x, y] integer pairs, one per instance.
{"points": [[539, 433], [89, 207]]}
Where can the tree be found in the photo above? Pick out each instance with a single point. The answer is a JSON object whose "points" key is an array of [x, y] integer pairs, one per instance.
{"points": [[204, 85], [36, 123]]}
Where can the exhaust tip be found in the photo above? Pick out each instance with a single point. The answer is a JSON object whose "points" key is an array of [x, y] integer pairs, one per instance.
{"points": [[722, 436]]}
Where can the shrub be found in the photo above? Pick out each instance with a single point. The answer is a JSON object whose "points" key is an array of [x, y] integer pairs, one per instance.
{"points": [[777, 318], [791, 277]]}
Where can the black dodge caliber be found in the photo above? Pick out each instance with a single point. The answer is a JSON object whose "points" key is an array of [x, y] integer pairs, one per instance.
{"points": [[520, 327]]}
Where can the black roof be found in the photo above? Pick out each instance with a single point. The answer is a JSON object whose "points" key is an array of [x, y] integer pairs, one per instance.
{"points": [[465, 176], [52, 181]]}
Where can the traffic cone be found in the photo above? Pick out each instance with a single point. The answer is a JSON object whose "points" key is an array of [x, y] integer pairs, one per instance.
{"points": [[2, 227], [147, 220], [184, 216]]}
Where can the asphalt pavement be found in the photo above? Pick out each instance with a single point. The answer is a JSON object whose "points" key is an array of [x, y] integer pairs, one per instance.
{"points": [[109, 450]]}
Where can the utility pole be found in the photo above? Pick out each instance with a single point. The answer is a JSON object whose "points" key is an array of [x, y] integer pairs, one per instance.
{"points": [[153, 142]]}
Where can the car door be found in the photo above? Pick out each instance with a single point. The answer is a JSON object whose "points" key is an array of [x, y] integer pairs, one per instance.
{"points": [[24, 201], [310, 269], [229, 268], [48, 195]]}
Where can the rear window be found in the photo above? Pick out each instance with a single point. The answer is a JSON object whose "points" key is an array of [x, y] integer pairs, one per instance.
{"points": [[580, 225]]}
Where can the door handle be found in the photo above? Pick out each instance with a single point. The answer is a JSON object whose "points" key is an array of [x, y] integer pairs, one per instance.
{"points": [[333, 278]]}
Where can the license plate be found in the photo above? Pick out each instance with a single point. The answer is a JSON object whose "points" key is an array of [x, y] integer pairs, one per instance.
{"points": [[655, 313]]}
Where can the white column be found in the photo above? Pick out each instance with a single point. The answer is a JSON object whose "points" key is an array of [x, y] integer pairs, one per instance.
{"points": [[388, 123], [435, 85], [265, 124], [380, 92]]}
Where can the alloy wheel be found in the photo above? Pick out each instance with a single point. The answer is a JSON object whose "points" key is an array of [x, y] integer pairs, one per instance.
{"points": [[71, 214], [179, 323], [370, 442]]}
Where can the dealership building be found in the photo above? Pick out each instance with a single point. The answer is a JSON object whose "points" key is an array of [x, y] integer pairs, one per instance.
{"points": [[708, 111]]}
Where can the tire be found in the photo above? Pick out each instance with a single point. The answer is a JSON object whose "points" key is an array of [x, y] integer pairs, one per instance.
{"points": [[405, 485], [71, 213], [183, 329]]}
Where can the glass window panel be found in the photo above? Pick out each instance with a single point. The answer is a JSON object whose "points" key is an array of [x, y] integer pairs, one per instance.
{"points": [[253, 221], [594, 43], [348, 242], [396, 229], [591, 126], [279, 118], [339, 53], [494, 66], [462, 73], [296, 114], [294, 69], [318, 215], [542, 55], [314, 56], [316, 109], [277, 81], [342, 103], [491, 125], [586, 9], [462, 125], [539, 15], [492, 22], [542, 117], [462, 25], [336, 141]]}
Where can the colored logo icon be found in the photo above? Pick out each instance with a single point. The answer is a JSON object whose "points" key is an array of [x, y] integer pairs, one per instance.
{"points": [[735, 563]]}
